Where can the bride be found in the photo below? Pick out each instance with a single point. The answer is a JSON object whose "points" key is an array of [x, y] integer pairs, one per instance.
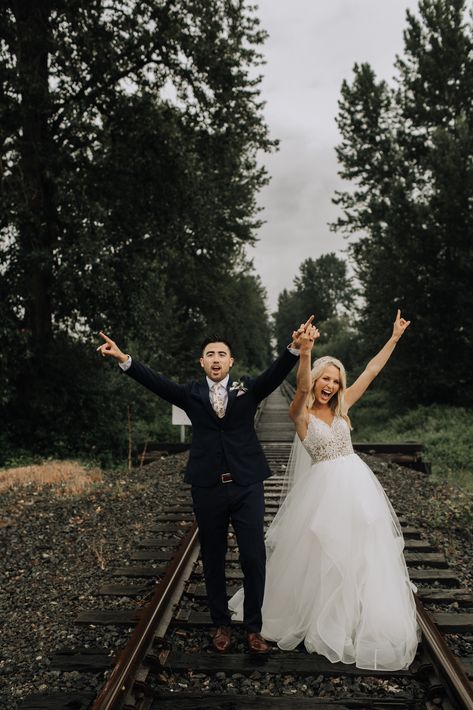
{"points": [[336, 578]]}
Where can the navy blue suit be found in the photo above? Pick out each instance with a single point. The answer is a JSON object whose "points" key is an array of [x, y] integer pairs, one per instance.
{"points": [[226, 445]]}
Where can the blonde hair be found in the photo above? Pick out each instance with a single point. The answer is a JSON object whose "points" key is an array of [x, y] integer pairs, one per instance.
{"points": [[337, 402]]}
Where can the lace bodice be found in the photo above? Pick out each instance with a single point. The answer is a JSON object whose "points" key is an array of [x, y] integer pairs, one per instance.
{"points": [[324, 442]]}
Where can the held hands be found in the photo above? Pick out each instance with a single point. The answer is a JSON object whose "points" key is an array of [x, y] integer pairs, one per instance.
{"points": [[399, 325], [308, 338], [111, 349], [300, 335]]}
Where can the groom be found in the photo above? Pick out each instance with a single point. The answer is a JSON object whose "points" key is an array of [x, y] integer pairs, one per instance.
{"points": [[226, 469]]}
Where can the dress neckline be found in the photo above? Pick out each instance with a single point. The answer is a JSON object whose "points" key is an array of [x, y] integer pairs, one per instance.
{"points": [[321, 420]]}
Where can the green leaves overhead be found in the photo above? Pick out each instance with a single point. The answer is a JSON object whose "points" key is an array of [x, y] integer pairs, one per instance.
{"points": [[128, 140], [143, 124]]}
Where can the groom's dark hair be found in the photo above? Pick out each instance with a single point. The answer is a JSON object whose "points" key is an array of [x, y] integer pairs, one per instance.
{"points": [[215, 339]]}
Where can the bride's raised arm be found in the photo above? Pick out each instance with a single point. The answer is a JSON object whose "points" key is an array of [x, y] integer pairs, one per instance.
{"points": [[298, 408], [374, 367]]}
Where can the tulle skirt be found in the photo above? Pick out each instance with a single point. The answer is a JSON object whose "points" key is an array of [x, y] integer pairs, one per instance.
{"points": [[336, 577]]}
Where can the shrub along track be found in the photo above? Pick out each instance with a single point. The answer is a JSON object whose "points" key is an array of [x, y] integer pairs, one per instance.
{"points": [[169, 663]]}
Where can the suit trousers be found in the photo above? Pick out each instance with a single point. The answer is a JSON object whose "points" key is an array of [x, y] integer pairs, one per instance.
{"points": [[214, 509]]}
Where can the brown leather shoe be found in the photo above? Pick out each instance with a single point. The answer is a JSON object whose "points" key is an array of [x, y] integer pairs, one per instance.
{"points": [[257, 644], [221, 639]]}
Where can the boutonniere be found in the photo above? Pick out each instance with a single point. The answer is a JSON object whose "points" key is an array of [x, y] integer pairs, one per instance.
{"points": [[240, 388]]}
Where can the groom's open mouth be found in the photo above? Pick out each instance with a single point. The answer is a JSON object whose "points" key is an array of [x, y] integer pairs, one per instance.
{"points": [[215, 369]]}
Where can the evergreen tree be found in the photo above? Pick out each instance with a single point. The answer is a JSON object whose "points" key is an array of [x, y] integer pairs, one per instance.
{"points": [[250, 332], [321, 287], [407, 152]]}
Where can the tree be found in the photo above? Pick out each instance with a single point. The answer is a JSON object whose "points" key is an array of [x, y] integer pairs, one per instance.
{"points": [[407, 151], [322, 287], [250, 330], [340, 338], [87, 134], [129, 133]]}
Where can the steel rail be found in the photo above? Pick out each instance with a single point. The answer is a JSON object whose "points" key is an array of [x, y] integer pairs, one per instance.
{"points": [[445, 662], [122, 675]]}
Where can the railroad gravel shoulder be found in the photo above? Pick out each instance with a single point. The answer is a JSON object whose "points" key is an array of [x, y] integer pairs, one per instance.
{"points": [[61, 549], [443, 511]]}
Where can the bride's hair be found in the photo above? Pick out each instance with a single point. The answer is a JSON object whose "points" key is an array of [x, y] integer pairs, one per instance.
{"points": [[337, 403]]}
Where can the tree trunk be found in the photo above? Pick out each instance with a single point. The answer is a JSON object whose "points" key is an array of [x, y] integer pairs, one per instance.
{"points": [[37, 215]]}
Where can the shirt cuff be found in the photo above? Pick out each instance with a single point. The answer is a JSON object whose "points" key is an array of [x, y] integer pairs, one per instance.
{"points": [[125, 365], [294, 351]]}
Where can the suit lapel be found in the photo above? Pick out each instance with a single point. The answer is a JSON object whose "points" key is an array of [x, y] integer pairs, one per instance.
{"points": [[205, 396], [231, 398]]}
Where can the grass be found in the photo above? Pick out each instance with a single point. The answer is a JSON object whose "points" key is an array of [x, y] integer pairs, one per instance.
{"points": [[70, 477], [445, 431]]}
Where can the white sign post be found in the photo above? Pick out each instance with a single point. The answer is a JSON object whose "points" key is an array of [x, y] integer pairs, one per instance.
{"points": [[180, 418]]}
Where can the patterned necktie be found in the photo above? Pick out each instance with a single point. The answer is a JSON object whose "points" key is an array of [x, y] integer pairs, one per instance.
{"points": [[217, 400]]}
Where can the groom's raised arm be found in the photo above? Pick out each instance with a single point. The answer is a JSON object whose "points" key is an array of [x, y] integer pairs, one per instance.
{"points": [[157, 383], [146, 376], [271, 378]]}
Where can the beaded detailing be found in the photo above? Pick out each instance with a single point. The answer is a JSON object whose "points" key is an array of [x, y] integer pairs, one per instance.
{"points": [[324, 442]]}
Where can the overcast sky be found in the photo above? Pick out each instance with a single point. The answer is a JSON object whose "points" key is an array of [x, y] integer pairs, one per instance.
{"points": [[312, 47]]}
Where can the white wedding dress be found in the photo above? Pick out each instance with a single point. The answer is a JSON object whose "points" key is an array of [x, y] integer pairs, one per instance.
{"points": [[336, 577]]}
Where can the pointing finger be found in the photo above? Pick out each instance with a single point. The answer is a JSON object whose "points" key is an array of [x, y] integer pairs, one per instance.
{"points": [[106, 338], [308, 322]]}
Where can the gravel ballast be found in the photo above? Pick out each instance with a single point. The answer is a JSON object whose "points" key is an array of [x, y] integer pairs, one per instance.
{"points": [[59, 549]]}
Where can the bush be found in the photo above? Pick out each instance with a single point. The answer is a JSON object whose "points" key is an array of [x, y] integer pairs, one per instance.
{"points": [[444, 430], [77, 407]]}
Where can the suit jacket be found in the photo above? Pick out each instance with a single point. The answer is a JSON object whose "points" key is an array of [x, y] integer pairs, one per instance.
{"points": [[220, 445]]}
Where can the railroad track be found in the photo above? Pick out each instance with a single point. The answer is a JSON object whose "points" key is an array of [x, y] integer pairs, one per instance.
{"points": [[168, 661]]}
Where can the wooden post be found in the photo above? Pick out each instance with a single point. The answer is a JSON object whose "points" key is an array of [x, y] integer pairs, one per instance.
{"points": [[143, 453], [129, 437]]}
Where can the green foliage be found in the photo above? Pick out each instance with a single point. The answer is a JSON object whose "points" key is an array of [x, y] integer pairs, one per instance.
{"points": [[445, 431], [248, 329], [128, 141], [321, 288], [407, 152], [137, 192], [340, 338], [80, 406], [374, 409]]}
